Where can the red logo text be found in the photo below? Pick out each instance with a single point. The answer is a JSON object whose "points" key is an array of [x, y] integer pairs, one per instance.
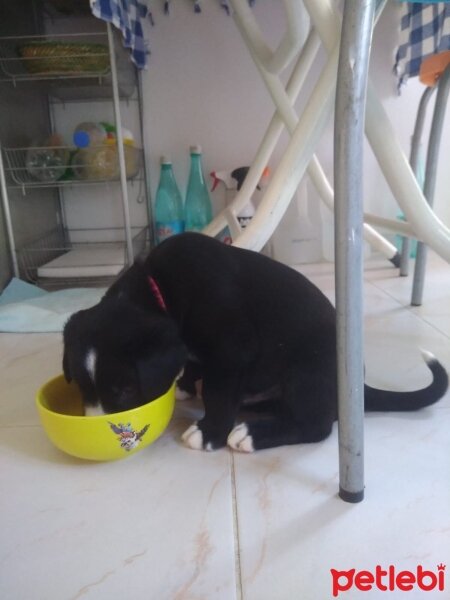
{"points": [[388, 580]]}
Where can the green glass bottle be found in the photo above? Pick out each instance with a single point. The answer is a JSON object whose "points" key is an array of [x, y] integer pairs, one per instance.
{"points": [[168, 204], [197, 208]]}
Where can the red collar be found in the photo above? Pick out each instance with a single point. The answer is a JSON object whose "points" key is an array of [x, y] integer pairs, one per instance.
{"points": [[157, 293]]}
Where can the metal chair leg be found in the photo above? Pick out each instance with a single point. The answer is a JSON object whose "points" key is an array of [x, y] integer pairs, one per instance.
{"points": [[349, 136], [430, 179], [414, 162]]}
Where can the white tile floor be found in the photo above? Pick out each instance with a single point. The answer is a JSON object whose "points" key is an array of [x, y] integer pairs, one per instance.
{"points": [[176, 524]]}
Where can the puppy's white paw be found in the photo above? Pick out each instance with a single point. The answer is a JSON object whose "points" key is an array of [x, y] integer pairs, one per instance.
{"points": [[193, 438], [240, 440]]}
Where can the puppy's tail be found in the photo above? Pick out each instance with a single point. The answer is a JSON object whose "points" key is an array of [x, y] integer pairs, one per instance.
{"points": [[382, 400]]}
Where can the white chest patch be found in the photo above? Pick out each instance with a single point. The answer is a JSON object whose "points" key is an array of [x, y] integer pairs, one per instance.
{"points": [[90, 362]]}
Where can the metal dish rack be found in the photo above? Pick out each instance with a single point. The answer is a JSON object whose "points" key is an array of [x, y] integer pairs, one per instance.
{"points": [[42, 259], [71, 168], [18, 61], [84, 82], [86, 74]]}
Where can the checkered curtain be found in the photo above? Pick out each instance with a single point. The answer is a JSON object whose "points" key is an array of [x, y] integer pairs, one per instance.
{"points": [[424, 30], [127, 16]]}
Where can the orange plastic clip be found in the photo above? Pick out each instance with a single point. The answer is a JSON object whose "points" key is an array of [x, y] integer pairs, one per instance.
{"points": [[433, 67]]}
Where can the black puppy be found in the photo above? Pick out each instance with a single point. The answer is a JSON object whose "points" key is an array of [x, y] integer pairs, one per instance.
{"points": [[251, 323]]}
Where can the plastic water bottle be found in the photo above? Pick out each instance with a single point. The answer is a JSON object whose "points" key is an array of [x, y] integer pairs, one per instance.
{"points": [[48, 161], [89, 134], [198, 209], [168, 204]]}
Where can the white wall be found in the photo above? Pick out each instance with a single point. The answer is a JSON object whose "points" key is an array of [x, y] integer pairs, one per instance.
{"points": [[202, 87]]}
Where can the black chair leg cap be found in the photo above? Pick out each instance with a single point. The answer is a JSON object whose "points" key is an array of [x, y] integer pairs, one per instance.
{"points": [[353, 497]]}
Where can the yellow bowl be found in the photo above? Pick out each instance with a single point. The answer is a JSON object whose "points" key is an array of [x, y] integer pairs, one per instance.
{"points": [[106, 437]]}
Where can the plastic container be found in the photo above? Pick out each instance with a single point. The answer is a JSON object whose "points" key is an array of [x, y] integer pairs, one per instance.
{"points": [[101, 163], [198, 208], [47, 162], [89, 134], [168, 204], [97, 157]]}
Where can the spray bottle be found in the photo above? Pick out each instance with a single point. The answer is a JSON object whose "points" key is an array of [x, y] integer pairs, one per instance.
{"points": [[233, 181]]}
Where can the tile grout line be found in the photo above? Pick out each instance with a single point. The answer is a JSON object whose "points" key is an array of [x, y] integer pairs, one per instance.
{"points": [[410, 309], [237, 553]]}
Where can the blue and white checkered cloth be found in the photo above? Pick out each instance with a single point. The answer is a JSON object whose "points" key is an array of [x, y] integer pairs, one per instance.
{"points": [[127, 16], [424, 30], [225, 4]]}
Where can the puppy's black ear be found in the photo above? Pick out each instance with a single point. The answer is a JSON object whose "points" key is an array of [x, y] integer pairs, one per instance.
{"points": [[158, 371], [159, 357], [66, 368], [68, 343]]}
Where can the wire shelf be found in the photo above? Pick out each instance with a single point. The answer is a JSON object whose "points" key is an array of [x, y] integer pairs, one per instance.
{"points": [[56, 259], [59, 166], [56, 57]]}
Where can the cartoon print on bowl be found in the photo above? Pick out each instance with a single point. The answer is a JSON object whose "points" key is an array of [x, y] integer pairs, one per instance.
{"points": [[128, 438]]}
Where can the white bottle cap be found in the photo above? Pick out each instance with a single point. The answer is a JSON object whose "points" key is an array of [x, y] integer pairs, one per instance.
{"points": [[195, 149], [165, 160]]}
